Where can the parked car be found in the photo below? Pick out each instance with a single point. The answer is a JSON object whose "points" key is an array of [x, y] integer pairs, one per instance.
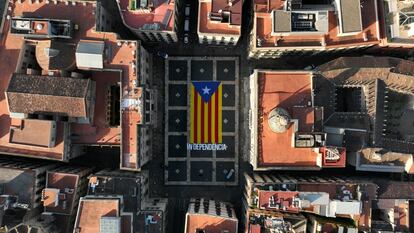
{"points": [[186, 38], [187, 25], [162, 54], [187, 10]]}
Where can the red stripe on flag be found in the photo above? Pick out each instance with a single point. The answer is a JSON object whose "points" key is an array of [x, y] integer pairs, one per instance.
{"points": [[216, 117], [202, 121], [209, 122], [195, 115]]}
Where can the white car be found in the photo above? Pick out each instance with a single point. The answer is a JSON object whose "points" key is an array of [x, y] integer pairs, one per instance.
{"points": [[186, 38]]}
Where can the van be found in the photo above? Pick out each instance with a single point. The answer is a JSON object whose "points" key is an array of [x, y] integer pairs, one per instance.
{"points": [[187, 25], [187, 10]]}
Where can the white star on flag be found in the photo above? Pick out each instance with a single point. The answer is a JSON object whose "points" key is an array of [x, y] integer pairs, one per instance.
{"points": [[206, 90]]}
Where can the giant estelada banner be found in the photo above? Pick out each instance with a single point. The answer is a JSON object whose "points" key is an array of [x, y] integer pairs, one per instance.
{"points": [[206, 116]]}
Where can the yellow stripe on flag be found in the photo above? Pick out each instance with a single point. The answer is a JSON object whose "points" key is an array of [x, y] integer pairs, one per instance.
{"points": [[220, 140], [199, 102], [192, 114]]}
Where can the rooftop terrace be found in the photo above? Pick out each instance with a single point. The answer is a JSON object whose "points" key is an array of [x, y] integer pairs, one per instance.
{"points": [[315, 25], [220, 17], [399, 21], [61, 188], [289, 91], [92, 211], [152, 15]]}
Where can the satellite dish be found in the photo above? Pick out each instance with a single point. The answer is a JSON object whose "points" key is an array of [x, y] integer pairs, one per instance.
{"points": [[279, 120]]}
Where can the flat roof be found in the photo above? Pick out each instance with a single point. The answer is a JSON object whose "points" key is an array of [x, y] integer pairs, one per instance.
{"points": [[263, 28], [123, 53], [351, 19], [210, 223], [161, 13], [66, 184], [91, 210], [283, 198], [32, 132], [115, 185], [285, 90], [18, 182], [205, 25]]}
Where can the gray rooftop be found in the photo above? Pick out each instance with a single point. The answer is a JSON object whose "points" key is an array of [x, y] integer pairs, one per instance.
{"points": [[110, 225], [350, 16], [282, 21], [89, 54]]}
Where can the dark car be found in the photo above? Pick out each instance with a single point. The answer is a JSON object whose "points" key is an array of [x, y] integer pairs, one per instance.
{"points": [[162, 54]]}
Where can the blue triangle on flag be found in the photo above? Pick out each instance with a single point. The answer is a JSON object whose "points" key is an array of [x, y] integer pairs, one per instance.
{"points": [[206, 89]]}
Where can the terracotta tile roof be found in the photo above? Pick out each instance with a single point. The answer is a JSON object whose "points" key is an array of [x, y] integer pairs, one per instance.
{"points": [[55, 55], [45, 94], [395, 190]]}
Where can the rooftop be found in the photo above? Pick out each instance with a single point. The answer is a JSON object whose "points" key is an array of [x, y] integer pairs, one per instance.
{"points": [[55, 55], [137, 212], [33, 132], [211, 216], [46, 94], [117, 185], [314, 25], [211, 224], [92, 210], [60, 191], [292, 92], [121, 63], [19, 189], [398, 21], [285, 222], [316, 191], [283, 201], [149, 15], [18, 182], [220, 17], [388, 147]]}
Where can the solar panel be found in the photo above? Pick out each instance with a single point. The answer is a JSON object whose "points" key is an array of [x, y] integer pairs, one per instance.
{"points": [[110, 225]]}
